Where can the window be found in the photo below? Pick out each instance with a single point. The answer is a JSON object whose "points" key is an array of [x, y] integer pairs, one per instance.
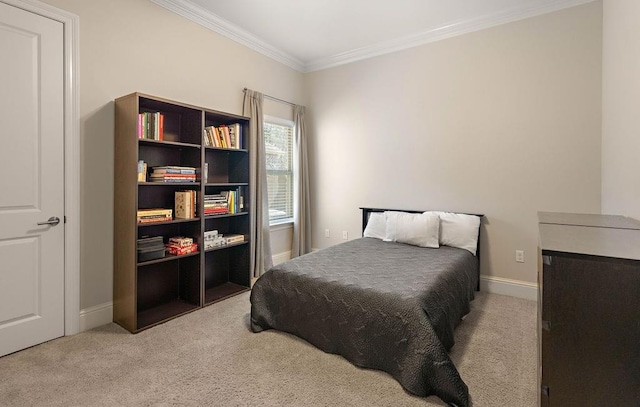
{"points": [[278, 140]]}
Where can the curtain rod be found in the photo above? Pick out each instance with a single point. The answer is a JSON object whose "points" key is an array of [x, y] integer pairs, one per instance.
{"points": [[273, 98]]}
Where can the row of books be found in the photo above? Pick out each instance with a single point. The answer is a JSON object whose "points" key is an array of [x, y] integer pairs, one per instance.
{"points": [[223, 203], [185, 204], [151, 126], [154, 215], [223, 136], [173, 173]]}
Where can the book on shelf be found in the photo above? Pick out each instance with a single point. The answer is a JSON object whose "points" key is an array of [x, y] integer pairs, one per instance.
{"points": [[155, 219], [215, 205], [213, 239], [223, 136], [154, 215], [155, 211], [204, 176], [169, 169], [181, 250], [181, 241], [234, 239], [224, 202], [234, 135], [179, 245], [208, 136], [185, 204], [173, 174], [151, 126], [142, 171]]}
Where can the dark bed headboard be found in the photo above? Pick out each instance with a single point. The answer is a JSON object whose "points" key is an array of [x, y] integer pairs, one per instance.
{"points": [[367, 211]]}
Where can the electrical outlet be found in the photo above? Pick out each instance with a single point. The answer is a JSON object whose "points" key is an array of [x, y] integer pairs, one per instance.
{"points": [[327, 234], [520, 256], [345, 235]]}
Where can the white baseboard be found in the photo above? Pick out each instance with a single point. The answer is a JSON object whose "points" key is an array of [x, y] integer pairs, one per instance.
{"points": [[96, 316], [281, 257], [512, 288]]}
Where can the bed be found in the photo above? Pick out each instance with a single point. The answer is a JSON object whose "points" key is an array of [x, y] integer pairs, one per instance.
{"points": [[382, 305]]}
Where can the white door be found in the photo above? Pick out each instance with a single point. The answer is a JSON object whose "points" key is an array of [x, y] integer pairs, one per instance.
{"points": [[31, 180]]}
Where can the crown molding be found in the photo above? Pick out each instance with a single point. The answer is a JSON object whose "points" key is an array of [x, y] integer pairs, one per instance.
{"points": [[440, 33], [211, 21]]}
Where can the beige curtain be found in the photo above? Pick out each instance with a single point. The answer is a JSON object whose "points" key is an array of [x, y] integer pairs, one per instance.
{"points": [[261, 243], [301, 209]]}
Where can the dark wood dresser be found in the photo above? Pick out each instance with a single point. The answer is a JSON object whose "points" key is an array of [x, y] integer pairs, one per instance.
{"points": [[588, 310]]}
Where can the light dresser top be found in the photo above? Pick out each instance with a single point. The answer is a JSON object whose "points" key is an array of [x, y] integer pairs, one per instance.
{"points": [[597, 235]]}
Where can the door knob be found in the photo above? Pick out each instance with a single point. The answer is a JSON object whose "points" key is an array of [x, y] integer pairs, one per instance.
{"points": [[54, 220]]}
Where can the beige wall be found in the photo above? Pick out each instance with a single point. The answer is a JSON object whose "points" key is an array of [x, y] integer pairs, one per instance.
{"points": [[620, 101], [134, 45], [505, 121]]}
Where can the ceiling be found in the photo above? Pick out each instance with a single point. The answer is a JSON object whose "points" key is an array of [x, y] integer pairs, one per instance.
{"points": [[309, 35]]}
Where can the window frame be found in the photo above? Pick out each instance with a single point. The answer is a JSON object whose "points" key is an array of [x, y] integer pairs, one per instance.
{"points": [[288, 123]]}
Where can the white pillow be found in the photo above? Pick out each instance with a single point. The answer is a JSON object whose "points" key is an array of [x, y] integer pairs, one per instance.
{"points": [[459, 230], [418, 229], [376, 226], [391, 222]]}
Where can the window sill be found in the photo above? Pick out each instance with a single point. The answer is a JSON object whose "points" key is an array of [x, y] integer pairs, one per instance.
{"points": [[281, 224]]}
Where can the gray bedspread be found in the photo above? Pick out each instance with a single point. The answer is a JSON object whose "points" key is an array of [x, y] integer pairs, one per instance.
{"points": [[381, 305]]}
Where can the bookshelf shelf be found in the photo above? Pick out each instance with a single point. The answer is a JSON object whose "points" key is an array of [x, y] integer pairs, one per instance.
{"points": [[233, 150], [169, 184], [227, 184], [168, 222], [163, 133], [226, 215], [168, 257], [164, 312], [167, 144], [223, 291], [227, 246]]}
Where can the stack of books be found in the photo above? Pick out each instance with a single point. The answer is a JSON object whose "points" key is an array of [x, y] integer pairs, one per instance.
{"points": [[223, 136], [173, 173], [185, 202], [215, 205], [180, 245], [150, 248], [213, 239], [154, 215]]}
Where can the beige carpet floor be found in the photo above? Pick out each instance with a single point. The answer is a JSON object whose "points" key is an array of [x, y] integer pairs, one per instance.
{"points": [[211, 358]]}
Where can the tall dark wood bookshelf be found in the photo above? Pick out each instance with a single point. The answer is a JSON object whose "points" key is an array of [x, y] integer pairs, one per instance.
{"points": [[147, 293]]}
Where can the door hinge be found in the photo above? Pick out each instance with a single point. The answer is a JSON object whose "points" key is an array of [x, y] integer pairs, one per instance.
{"points": [[546, 260], [544, 390], [546, 325], [65, 219]]}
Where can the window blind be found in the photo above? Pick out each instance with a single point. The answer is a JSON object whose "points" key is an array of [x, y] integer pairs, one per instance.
{"points": [[279, 157]]}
